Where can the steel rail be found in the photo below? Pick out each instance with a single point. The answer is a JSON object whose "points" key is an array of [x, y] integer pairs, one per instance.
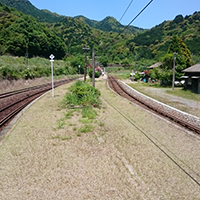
{"points": [[121, 91], [15, 106]]}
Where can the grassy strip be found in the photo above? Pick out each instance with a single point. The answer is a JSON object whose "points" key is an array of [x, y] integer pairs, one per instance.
{"points": [[81, 98]]}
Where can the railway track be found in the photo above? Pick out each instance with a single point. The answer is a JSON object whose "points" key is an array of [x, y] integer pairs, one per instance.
{"points": [[11, 103], [173, 115]]}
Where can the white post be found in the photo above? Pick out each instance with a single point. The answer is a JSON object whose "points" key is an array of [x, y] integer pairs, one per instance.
{"points": [[52, 59], [79, 72]]}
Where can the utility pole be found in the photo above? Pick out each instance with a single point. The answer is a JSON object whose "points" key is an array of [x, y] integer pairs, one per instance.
{"points": [[135, 62], [93, 68], [26, 55], [174, 63], [85, 69]]}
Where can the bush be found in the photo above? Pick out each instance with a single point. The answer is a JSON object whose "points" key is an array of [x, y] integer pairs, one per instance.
{"points": [[81, 93], [97, 74]]}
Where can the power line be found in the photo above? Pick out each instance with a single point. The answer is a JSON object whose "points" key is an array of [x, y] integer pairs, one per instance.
{"points": [[137, 15], [132, 20], [126, 10]]}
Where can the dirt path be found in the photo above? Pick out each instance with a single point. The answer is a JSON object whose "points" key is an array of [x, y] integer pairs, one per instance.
{"points": [[129, 155]]}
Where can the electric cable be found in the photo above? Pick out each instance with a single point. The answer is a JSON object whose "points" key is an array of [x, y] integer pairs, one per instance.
{"points": [[158, 145], [126, 10], [130, 22]]}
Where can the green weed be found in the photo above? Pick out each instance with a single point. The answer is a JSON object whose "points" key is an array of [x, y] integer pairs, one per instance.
{"points": [[86, 128]]}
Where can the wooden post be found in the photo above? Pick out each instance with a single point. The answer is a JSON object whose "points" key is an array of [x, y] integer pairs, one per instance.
{"points": [[93, 68], [85, 69], [174, 62]]}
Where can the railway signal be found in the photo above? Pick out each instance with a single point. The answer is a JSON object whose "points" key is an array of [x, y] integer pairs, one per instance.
{"points": [[51, 60]]}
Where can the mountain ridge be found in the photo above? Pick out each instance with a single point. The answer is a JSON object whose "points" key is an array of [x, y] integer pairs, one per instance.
{"points": [[107, 24]]}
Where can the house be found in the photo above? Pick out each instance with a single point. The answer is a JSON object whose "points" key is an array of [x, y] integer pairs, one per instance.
{"points": [[158, 64], [192, 78], [146, 76]]}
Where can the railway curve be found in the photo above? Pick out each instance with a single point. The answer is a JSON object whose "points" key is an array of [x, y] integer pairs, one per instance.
{"points": [[184, 119], [11, 103]]}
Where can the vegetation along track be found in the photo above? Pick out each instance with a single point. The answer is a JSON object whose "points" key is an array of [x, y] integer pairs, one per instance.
{"points": [[13, 102], [186, 120]]}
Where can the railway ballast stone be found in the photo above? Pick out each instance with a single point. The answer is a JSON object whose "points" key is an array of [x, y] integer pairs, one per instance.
{"points": [[156, 105]]}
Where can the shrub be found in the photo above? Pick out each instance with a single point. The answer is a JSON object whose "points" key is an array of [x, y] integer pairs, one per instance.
{"points": [[97, 74], [81, 93]]}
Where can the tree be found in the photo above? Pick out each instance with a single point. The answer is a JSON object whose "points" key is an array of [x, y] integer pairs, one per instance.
{"points": [[76, 61], [177, 45], [183, 60]]}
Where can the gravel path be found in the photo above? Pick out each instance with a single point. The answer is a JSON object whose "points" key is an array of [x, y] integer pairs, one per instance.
{"points": [[128, 155], [189, 106]]}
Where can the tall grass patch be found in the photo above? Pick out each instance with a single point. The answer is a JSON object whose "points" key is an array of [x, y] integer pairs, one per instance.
{"points": [[86, 99]]}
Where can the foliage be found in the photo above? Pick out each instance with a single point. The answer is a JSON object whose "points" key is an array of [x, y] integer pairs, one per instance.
{"points": [[157, 38], [154, 74], [110, 24], [76, 61], [182, 60], [20, 68], [20, 33], [67, 36], [184, 55], [97, 74], [26, 7], [81, 93]]}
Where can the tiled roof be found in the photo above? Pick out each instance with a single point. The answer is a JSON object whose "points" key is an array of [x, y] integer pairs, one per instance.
{"points": [[194, 68]]}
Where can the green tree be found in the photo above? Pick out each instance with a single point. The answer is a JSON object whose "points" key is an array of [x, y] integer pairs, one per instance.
{"points": [[182, 61]]}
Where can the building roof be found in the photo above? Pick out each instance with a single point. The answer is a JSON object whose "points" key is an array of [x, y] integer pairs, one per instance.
{"points": [[158, 64], [194, 68]]}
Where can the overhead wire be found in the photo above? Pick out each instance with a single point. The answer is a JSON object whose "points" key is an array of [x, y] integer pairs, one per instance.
{"points": [[131, 22], [126, 10]]}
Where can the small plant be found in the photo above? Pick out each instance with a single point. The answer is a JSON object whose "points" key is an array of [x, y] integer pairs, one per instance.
{"points": [[88, 112], [101, 124], [61, 123], [66, 138], [69, 114], [86, 128]]}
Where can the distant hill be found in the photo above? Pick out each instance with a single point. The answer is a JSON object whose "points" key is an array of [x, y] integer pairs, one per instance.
{"points": [[157, 39], [26, 7], [20, 33], [72, 33], [110, 24]]}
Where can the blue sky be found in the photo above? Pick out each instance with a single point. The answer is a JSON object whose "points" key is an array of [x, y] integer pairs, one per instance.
{"points": [[156, 13]]}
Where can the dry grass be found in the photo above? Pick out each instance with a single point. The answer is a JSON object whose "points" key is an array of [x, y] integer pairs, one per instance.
{"points": [[6, 85], [41, 160]]}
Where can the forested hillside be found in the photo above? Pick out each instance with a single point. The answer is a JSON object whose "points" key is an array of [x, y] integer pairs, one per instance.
{"points": [[20, 33], [76, 34], [27, 8], [156, 40], [110, 24]]}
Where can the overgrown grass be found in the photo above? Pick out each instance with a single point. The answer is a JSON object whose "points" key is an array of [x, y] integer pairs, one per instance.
{"points": [[15, 68], [82, 94], [89, 112], [83, 97]]}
